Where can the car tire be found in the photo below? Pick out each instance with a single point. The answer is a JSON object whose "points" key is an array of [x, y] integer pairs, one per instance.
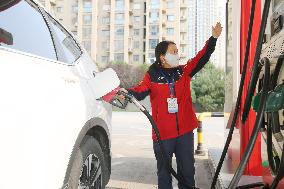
{"points": [[81, 176]]}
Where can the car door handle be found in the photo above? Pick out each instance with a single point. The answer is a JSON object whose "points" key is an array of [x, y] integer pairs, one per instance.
{"points": [[94, 73]]}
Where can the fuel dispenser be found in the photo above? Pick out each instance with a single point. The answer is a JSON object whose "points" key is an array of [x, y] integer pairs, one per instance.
{"points": [[263, 90]]}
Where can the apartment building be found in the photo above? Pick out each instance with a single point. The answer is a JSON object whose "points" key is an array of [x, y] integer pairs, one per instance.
{"points": [[203, 15], [129, 30], [50, 5]]}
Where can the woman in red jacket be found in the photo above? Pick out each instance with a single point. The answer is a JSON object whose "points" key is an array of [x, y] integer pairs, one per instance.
{"points": [[168, 85]]}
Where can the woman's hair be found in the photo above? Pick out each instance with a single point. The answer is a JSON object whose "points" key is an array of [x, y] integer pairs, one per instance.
{"points": [[161, 49]]}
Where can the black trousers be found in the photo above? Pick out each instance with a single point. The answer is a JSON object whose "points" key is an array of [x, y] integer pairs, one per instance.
{"points": [[183, 148]]}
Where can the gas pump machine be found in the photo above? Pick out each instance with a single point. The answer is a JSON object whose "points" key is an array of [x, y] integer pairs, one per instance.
{"points": [[263, 86]]}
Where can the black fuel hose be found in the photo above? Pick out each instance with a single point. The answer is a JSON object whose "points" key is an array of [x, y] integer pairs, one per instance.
{"points": [[259, 119], [280, 172], [253, 185], [253, 80], [167, 163], [273, 161], [280, 166], [163, 153], [237, 106], [252, 85]]}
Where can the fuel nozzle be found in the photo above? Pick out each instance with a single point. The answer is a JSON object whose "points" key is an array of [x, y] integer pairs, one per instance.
{"points": [[132, 99], [114, 100]]}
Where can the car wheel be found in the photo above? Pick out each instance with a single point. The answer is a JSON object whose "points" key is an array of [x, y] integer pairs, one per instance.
{"points": [[89, 168]]}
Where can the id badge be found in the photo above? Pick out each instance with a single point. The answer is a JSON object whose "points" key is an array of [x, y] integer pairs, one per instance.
{"points": [[172, 105]]}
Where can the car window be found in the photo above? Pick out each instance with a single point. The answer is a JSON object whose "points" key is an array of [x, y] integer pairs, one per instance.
{"points": [[67, 49], [24, 29]]}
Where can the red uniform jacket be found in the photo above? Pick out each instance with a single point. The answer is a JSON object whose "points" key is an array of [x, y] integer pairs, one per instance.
{"points": [[172, 125]]}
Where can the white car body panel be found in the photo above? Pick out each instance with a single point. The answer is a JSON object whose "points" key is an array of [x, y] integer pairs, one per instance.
{"points": [[43, 106]]}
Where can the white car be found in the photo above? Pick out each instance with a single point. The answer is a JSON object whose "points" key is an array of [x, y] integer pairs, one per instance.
{"points": [[54, 132]]}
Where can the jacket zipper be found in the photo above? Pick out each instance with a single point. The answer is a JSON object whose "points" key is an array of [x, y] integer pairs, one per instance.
{"points": [[177, 123]]}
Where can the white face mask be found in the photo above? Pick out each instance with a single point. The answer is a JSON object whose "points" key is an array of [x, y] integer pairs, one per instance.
{"points": [[172, 59]]}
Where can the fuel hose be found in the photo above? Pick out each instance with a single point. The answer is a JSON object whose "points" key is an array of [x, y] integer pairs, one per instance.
{"points": [[240, 91], [165, 159], [259, 119], [280, 173], [253, 79], [256, 62], [279, 166], [273, 161]]}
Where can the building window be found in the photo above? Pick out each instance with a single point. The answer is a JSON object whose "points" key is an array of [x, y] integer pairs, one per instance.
{"points": [[106, 7], [119, 57], [170, 17], [119, 45], [87, 19], [153, 43], [105, 59], [87, 33], [105, 33], [119, 30], [87, 6], [154, 16], [151, 58], [136, 6], [154, 30], [136, 44], [87, 45], [74, 20], [151, 55], [155, 4], [137, 19], [119, 5], [105, 45], [105, 20], [59, 9], [136, 32], [119, 18], [170, 31], [75, 33], [170, 5], [75, 8], [182, 49], [135, 58]]}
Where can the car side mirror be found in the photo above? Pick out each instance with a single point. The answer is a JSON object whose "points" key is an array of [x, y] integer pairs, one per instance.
{"points": [[104, 82], [6, 37]]}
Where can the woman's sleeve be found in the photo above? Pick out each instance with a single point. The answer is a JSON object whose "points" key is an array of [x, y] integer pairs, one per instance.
{"points": [[197, 63], [143, 89]]}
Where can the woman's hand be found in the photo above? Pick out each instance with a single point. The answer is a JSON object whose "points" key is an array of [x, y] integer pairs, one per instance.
{"points": [[122, 97], [217, 30]]}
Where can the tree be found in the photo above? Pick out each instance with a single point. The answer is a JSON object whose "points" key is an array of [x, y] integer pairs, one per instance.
{"points": [[209, 88], [129, 74]]}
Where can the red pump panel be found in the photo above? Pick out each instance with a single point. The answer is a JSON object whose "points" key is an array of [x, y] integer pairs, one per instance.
{"points": [[254, 164]]}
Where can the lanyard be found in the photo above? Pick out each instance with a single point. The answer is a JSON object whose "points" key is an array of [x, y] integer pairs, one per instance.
{"points": [[170, 84]]}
